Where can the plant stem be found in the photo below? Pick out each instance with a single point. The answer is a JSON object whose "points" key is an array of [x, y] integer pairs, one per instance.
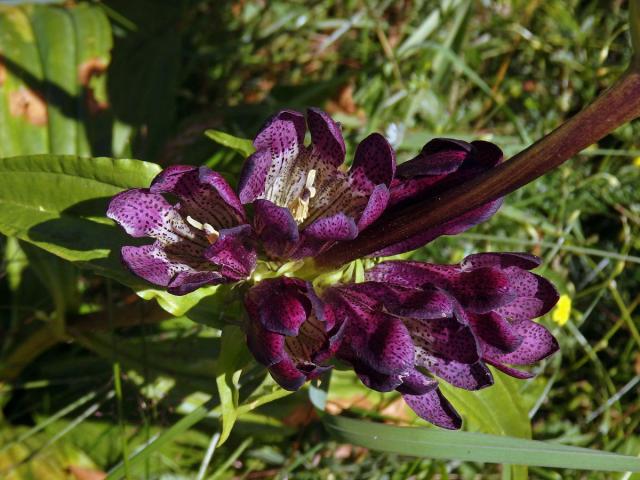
{"points": [[613, 108]]}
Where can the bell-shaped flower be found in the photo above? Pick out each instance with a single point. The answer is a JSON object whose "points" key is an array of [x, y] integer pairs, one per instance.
{"points": [[203, 239], [443, 163], [291, 331], [450, 321], [303, 200]]}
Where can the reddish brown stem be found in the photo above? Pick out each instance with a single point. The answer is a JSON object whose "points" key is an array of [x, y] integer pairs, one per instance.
{"points": [[613, 108]]}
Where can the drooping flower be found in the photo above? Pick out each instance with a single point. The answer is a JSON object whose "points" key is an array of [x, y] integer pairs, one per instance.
{"points": [[204, 239], [411, 318], [303, 201], [291, 331], [442, 163]]}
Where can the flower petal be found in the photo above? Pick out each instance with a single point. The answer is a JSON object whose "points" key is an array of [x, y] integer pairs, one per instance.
{"points": [[538, 343], [502, 260], [535, 295], [279, 304], [374, 163], [494, 330], [145, 214], [282, 137], [415, 383], [337, 227], [438, 157], [189, 281], [512, 372], [276, 227], [233, 252], [434, 408], [482, 289], [326, 137], [375, 206], [446, 338], [287, 375], [442, 164], [379, 340], [254, 176], [151, 263], [204, 195], [470, 376], [266, 346]]}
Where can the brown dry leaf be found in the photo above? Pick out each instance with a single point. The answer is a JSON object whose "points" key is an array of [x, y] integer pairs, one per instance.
{"points": [[301, 416], [398, 412], [337, 405], [345, 103], [94, 67], [3, 74], [28, 104], [89, 69], [636, 364], [82, 473]]}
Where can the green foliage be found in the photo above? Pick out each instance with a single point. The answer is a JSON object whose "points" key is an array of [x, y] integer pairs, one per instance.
{"points": [[58, 203], [142, 79]]}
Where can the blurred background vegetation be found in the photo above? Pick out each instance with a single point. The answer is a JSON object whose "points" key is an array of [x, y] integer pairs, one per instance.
{"points": [[144, 79]]}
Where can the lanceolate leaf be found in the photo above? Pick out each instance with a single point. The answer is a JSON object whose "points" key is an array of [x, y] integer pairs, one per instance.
{"points": [[243, 146], [468, 446]]}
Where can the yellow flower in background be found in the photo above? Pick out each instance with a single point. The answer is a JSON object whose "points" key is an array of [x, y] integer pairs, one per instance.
{"points": [[562, 311], [636, 162]]}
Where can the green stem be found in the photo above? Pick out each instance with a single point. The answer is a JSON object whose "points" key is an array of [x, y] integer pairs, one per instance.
{"points": [[613, 108]]}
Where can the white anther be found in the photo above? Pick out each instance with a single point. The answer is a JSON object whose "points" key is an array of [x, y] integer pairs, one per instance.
{"points": [[211, 233], [194, 223]]}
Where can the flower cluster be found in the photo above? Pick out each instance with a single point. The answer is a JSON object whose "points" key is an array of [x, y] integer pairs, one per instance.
{"points": [[402, 328]]}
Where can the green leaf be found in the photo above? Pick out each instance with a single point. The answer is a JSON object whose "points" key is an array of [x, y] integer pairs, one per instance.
{"points": [[499, 410], [467, 446], [177, 305], [58, 203], [54, 57], [233, 357], [243, 146]]}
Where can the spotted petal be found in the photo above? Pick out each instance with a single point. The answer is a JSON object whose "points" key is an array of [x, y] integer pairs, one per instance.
{"points": [[204, 195], [434, 408], [233, 252], [441, 165], [279, 304]]}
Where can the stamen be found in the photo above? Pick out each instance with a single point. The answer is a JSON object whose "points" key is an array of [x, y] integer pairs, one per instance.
{"points": [[193, 222], [300, 206], [211, 233]]}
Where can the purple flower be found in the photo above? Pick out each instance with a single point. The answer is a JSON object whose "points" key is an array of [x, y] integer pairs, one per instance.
{"points": [[291, 331], [204, 239], [303, 201], [447, 320], [442, 164]]}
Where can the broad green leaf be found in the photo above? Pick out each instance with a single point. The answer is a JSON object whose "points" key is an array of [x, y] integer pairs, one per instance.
{"points": [[177, 305], [58, 203], [53, 96], [243, 146], [23, 112]]}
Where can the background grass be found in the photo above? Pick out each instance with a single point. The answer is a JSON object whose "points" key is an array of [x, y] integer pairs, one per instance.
{"points": [[506, 71]]}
